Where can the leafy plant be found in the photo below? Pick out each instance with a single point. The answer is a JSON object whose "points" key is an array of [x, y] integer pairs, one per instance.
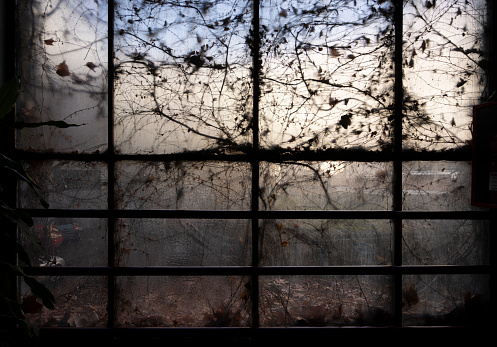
{"points": [[11, 310]]}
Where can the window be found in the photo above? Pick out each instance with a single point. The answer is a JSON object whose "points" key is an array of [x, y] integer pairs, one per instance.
{"points": [[252, 165]]}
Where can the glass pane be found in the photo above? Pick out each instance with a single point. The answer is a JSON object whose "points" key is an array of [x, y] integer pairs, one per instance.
{"points": [[66, 184], [183, 185], [62, 62], [444, 71], [445, 242], [183, 302], [79, 302], [326, 242], [448, 300], [327, 74], [183, 76], [325, 186], [68, 242], [174, 242], [325, 301], [441, 185]]}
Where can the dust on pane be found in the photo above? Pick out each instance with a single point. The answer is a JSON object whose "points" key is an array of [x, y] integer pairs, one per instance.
{"points": [[67, 242], [183, 185], [66, 184], [325, 242], [446, 300], [179, 242], [79, 302], [327, 185], [317, 301], [186, 301]]}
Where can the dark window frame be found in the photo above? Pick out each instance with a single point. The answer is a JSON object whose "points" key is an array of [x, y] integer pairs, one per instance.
{"points": [[397, 214]]}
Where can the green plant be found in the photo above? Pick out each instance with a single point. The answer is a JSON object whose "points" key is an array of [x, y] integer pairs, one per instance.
{"points": [[11, 312]]}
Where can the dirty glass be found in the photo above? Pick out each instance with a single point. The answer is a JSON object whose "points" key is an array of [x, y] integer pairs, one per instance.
{"points": [[206, 112], [326, 242], [436, 185], [180, 242], [327, 74], [68, 242], [66, 184], [445, 61], [327, 185], [317, 301], [445, 300], [207, 185], [81, 301], [445, 242], [183, 80], [62, 63], [186, 301]]}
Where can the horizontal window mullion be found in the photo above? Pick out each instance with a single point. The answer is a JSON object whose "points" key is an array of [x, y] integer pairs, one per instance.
{"points": [[258, 271], [262, 155], [280, 214]]}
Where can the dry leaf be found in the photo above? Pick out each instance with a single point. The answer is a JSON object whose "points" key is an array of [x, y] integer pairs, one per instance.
{"points": [[63, 69], [49, 42], [284, 243], [91, 65]]}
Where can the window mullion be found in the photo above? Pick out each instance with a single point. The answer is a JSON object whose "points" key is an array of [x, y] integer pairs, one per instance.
{"points": [[256, 68], [111, 282], [397, 162]]}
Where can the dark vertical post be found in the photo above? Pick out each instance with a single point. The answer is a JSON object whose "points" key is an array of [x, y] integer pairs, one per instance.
{"points": [[111, 223], [256, 68], [7, 136], [397, 162]]}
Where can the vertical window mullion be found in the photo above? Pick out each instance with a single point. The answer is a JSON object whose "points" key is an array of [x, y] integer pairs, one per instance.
{"points": [[256, 67], [397, 164], [111, 169]]}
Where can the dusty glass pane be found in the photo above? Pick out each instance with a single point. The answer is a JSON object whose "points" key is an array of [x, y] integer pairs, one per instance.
{"points": [[327, 74], [178, 242], [445, 242], [328, 185], [440, 185], [326, 242], [444, 71], [62, 62], [79, 302], [183, 185], [183, 302], [66, 184], [448, 300], [182, 76], [68, 242], [325, 301]]}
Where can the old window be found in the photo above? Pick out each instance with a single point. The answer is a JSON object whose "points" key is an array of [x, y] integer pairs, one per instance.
{"points": [[255, 163]]}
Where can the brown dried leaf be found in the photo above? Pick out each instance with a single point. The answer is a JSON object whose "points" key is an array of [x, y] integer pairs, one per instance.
{"points": [[49, 42], [63, 69]]}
